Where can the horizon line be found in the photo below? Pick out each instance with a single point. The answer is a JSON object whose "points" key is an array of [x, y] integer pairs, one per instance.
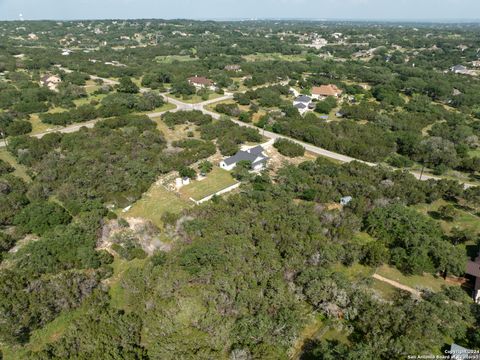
{"points": [[243, 19]]}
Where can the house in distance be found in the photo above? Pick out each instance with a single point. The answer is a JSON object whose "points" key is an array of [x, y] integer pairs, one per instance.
{"points": [[254, 155], [321, 92], [234, 68], [303, 103], [201, 82]]}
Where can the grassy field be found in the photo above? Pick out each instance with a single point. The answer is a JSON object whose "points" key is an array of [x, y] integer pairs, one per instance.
{"points": [[474, 152], [39, 127], [463, 220], [20, 170], [166, 107], [116, 291], [355, 272], [88, 99], [91, 86], [386, 291], [425, 281], [358, 272], [217, 180], [195, 99], [178, 132], [49, 333], [274, 56], [172, 58], [156, 202]]}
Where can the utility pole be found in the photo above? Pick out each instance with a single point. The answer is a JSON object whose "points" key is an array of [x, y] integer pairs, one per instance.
{"points": [[421, 172]]}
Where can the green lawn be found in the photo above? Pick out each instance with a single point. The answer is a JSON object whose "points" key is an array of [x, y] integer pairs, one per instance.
{"points": [[215, 181], [20, 170], [156, 202]]}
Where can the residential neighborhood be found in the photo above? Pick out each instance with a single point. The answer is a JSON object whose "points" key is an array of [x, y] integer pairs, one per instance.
{"points": [[267, 185]]}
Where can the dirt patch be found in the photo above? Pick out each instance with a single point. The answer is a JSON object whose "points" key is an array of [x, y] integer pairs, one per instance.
{"points": [[277, 160]]}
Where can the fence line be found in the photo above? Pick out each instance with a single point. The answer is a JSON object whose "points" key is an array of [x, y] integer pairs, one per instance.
{"points": [[221, 192]]}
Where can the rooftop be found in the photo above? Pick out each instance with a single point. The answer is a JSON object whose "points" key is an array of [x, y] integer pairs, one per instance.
{"points": [[248, 155], [327, 90], [200, 80]]}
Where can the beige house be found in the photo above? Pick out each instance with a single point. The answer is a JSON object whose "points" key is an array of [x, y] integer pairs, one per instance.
{"points": [[320, 92], [201, 82]]}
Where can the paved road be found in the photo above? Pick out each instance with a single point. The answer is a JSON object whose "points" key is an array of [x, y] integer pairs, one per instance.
{"points": [[327, 153], [180, 105]]}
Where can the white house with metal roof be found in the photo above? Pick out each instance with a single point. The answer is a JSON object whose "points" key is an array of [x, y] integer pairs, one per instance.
{"points": [[254, 155]]}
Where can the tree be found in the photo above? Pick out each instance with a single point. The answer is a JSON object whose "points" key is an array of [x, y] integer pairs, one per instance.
{"points": [[447, 212], [289, 148], [187, 172], [435, 152], [205, 167], [376, 254], [126, 85], [5, 168], [39, 217], [415, 241], [19, 127], [242, 170], [326, 105]]}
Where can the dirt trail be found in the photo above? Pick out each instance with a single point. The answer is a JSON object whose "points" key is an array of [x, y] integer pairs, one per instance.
{"points": [[398, 285]]}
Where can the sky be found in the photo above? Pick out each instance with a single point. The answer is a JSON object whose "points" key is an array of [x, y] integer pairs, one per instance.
{"points": [[241, 9]]}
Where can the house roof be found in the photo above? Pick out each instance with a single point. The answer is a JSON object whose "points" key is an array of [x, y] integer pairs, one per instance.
{"points": [[232, 67], [326, 90], [473, 267], [303, 98], [459, 68], [200, 80], [257, 150], [300, 106], [248, 155]]}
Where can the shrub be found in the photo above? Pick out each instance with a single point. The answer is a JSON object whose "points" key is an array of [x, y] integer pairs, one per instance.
{"points": [[39, 217], [289, 148]]}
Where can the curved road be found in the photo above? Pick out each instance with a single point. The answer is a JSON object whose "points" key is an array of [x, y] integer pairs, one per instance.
{"points": [[180, 105]]}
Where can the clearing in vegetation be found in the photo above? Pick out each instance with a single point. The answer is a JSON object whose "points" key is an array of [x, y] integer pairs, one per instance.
{"points": [[215, 181], [155, 203]]}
